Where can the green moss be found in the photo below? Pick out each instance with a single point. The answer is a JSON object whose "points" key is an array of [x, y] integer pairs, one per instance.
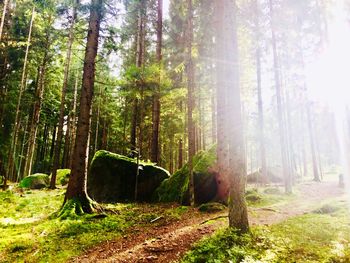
{"points": [[175, 189], [211, 207], [306, 238], [1, 179], [35, 181], [62, 176], [112, 178]]}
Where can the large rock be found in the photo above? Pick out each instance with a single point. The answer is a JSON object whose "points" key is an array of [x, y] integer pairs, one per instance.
{"points": [[112, 178], [175, 189], [62, 176], [274, 174], [35, 181]]}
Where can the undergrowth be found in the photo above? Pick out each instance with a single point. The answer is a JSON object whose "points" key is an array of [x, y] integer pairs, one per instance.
{"points": [[308, 238], [29, 232]]}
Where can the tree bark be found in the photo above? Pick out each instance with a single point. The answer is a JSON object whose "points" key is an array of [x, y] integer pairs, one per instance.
{"points": [[281, 123], [260, 100], [156, 96], [35, 118], [74, 119], [4, 11], [232, 154], [312, 144], [57, 153], [190, 97], [12, 151], [76, 190]]}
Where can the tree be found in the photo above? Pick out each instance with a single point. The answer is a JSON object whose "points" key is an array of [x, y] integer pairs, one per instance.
{"points": [[260, 101], [280, 109], [156, 96], [4, 12], [76, 190], [190, 97], [230, 153], [57, 150], [12, 150]]}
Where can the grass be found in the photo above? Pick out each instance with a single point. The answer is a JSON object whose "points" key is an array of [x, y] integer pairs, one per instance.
{"points": [[268, 196], [28, 234], [314, 237]]}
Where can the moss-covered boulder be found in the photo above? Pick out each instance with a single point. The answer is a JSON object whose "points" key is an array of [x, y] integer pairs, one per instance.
{"points": [[112, 178], [62, 176], [1, 180], [35, 181], [175, 189], [274, 174]]}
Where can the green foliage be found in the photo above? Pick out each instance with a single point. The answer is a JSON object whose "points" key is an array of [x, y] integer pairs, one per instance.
{"points": [[30, 233], [35, 181], [307, 238]]}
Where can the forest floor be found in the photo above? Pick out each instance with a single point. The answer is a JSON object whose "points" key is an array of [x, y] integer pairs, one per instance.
{"points": [[169, 241]]}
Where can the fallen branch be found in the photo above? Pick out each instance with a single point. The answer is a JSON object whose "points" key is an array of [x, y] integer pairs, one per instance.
{"points": [[156, 219], [211, 219]]}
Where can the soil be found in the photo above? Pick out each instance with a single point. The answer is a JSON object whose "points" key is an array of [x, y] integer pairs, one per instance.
{"points": [[169, 241]]}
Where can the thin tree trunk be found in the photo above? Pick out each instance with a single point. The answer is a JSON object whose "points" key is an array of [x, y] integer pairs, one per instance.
{"points": [[156, 96], [281, 124], [74, 120], [35, 119], [213, 118], [4, 11], [67, 142], [180, 152], [260, 100], [190, 98], [57, 153], [312, 144], [97, 122], [76, 190], [12, 151]]}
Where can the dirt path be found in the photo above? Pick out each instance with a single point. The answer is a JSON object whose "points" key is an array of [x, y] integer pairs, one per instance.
{"points": [[167, 243]]}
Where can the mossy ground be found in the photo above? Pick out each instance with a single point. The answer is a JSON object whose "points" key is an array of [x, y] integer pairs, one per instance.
{"points": [[308, 238], [29, 232], [268, 196]]}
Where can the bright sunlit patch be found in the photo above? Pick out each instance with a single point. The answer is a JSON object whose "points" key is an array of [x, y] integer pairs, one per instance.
{"points": [[328, 79], [328, 76]]}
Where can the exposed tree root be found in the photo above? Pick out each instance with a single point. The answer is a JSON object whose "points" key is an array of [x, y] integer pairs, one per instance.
{"points": [[76, 206]]}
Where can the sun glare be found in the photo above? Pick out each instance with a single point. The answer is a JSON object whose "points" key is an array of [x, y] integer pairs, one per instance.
{"points": [[328, 79], [328, 75]]}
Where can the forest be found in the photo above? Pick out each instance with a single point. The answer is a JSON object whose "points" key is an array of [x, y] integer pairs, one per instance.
{"points": [[175, 131]]}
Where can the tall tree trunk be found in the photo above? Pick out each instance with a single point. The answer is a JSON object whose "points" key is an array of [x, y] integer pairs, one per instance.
{"points": [[312, 143], [156, 96], [76, 190], [281, 123], [12, 151], [260, 100], [221, 96], [57, 153], [232, 153], [190, 97], [213, 117], [180, 152], [4, 11], [36, 118], [97, 122], [74, 119]]}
